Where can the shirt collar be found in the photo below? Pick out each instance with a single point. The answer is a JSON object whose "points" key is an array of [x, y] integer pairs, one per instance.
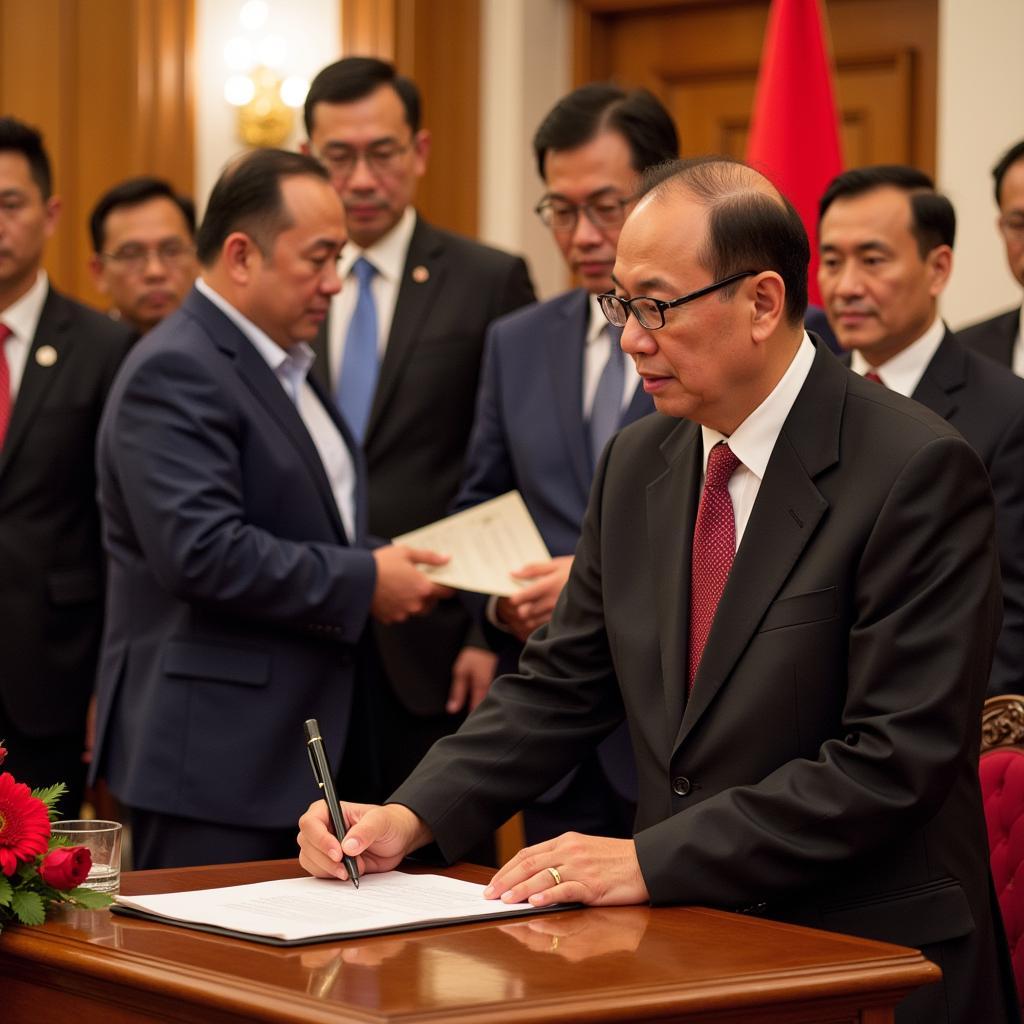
{"points": [[387, 254], [597, 323], [903, 372], [753, 441], [291, 363], [22, 315]]}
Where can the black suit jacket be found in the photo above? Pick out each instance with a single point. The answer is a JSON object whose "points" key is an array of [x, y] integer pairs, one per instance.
{"points": [[825, 769], [985, 402], [236, 602], [51, 563], [420, 422], [995, 337]]}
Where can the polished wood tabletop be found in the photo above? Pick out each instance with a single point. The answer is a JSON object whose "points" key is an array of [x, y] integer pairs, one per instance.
{"points": [[596, 964]]}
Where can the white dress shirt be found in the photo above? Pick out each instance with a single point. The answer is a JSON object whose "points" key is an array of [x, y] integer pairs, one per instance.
{"points": [[388, 255], [753, 441], [595, 356], [22, 317], [291, 368], [904, 371]]}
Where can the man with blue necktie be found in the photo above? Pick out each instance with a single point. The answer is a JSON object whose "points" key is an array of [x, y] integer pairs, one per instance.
{"points": [[555, 387], [401, 352], [240, 575]]}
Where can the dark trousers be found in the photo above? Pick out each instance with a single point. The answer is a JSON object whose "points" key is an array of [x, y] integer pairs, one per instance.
{"points": [[43, 760], [168, 841]]}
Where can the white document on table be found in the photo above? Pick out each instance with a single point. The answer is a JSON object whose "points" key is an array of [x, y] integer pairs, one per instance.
{"points": [[485, 544], [295, 910]]}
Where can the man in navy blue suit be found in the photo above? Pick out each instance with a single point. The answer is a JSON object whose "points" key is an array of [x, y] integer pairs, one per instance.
{"points": [[555, 387], [234, 520]]}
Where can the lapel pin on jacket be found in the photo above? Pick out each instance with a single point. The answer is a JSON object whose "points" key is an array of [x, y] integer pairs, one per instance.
{"points": [[420, 274], [46, 355]]}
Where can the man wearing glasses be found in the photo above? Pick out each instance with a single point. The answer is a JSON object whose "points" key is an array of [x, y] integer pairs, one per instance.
{"points": [[1002, 337], [787, 586], [144, 257], [555, 387], [401, 354]]}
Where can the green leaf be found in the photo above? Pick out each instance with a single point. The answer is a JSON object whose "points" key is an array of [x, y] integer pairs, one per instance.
{"points": [[6, 891], [50, 795], [28, 907], [89, 898]]}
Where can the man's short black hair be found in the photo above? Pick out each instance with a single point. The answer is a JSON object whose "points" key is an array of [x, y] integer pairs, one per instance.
{"points": [[134, 192], [638, 116], [1006, 161], [932, 217], [354, 78], [247, 197], [751, 225], [18, 137]]}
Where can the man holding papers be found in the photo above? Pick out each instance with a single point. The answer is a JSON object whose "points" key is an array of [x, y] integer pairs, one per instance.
{"points": [[239, 579], [788, 587], [555, 386]]}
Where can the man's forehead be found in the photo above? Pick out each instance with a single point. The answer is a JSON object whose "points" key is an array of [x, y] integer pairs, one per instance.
{"points": [[660, 240], [881, 208], [158, 211], [380, 112]]}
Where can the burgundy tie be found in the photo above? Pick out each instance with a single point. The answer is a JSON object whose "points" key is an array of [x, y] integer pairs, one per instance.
{"points": [[714, 545], [5, 384], [871, 375]]}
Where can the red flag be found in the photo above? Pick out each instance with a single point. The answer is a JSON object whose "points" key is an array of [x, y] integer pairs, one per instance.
{"points": [[794, 138]]}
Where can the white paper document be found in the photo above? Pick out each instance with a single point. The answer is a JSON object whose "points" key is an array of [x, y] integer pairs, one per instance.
{"points": [[485, 543], [309, 908]]}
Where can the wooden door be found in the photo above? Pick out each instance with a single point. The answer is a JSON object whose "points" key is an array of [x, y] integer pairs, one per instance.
{"points": [[700, 57], [109, 84]]}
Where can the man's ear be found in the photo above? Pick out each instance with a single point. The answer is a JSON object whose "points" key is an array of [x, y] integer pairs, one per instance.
{"points": [[421, 151], [238, 256], [769, 303], [940, 267], [53, 208], [99, 279]]}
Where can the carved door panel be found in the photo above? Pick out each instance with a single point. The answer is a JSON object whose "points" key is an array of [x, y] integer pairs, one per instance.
{"points": [[701, 58]]}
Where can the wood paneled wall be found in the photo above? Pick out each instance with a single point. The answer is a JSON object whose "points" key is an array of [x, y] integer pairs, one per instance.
{"points": [[110, 85], [437, 44]]}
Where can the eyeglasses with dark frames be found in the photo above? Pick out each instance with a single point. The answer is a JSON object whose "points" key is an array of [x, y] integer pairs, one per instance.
{"points": [[381, 158], [134, 257], [562, 216], [650, 313]]}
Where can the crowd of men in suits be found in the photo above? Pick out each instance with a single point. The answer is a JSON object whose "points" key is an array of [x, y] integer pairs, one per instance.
{"points": [[753, 666]]}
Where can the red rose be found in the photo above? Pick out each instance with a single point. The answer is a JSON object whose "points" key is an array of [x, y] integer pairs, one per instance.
{"points": [[66, 867]]}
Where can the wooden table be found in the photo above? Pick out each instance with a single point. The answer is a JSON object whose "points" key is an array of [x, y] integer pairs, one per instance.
{"points": [[615, 964]]}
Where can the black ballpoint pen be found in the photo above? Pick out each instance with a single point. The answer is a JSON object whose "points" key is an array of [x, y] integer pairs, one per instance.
{"points": [[325, 780]]}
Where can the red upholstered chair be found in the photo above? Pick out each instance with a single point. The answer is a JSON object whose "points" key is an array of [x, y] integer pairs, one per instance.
{"points": [[1002, 787]]}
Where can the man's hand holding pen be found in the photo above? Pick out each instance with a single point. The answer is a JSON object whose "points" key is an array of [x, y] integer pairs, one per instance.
{"points": [[378, 837]]}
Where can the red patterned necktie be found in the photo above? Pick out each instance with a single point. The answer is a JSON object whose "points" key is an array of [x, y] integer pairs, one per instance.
{"points": [[871, 375], [5, 384], [714, 545]]}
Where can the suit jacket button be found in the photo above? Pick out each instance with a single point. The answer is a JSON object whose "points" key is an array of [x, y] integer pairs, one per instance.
{"points": [[681, 786], [852, 739]]}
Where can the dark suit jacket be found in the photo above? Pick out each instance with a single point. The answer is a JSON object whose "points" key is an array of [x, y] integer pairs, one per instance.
{"points": [[235, 600], [994, 338], [985, 403], [420, 421], [51, 562], [530, 435], [825, 769]]}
